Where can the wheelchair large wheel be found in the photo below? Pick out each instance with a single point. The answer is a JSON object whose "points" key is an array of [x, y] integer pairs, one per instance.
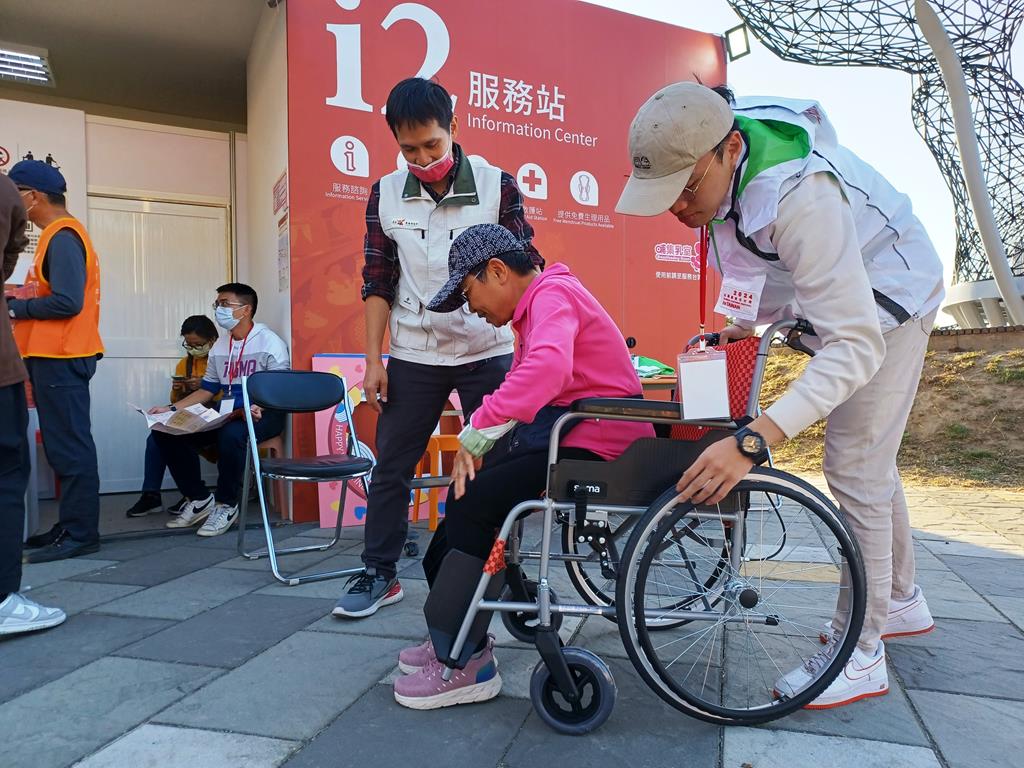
{"points": [[595, 565], [792, 566], [596, 687]]}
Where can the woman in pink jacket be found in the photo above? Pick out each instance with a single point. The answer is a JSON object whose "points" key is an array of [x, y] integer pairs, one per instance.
{"points": [[567, 348]]}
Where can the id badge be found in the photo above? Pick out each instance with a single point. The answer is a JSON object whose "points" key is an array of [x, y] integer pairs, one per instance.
{"points": [[227, 405], [703, 385], [740, 296]]}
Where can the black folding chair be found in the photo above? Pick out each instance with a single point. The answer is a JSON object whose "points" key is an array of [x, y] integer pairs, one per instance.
{"points": [[297, 392]]}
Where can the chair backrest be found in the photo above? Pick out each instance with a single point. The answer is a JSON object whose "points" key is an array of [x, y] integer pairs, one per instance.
{"points": [[295, 391]]}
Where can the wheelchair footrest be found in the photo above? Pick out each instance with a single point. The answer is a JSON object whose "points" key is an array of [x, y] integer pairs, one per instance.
{"points": [[449, 602]]}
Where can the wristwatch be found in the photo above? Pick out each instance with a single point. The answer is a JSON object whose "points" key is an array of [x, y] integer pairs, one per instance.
{"points": [[752, 445], [173, 407]]}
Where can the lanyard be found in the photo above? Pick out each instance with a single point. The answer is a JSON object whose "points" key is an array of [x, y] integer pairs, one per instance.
{"points": [[703, 281], [241, 352]]}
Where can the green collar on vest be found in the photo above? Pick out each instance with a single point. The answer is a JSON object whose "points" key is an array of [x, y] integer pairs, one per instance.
{"points": [[463, 189], [770, 143]]}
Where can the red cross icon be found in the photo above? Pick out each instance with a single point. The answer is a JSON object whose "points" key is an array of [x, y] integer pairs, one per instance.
{"points": [[532, 180]]}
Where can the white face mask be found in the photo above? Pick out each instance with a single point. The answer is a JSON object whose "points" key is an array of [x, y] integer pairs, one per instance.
{"points": [[225, 317], [29, 208], [201, 351]]}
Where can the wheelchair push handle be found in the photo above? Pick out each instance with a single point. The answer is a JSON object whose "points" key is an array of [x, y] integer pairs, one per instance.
{"points": [[793, 329]]}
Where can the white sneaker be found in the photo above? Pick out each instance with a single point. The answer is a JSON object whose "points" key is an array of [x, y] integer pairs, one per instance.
{"points": [[192, 513], [862, 677], [19, 614], [906, 618], [222, 518]]}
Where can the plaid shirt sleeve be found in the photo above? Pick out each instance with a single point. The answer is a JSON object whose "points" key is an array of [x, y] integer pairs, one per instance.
{"points": [[512, 217], [380, 271]]}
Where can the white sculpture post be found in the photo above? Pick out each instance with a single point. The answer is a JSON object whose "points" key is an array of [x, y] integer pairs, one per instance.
{"points": [[970, 157]]}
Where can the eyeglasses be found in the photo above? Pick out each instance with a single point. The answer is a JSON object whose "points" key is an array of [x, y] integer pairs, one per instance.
{"points": [[690, 193], [226, 303], [194, 347], [476, 276]]}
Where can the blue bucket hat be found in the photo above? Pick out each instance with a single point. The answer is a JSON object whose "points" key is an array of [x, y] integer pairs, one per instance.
{"points": [[40, 176], [472, 249]]}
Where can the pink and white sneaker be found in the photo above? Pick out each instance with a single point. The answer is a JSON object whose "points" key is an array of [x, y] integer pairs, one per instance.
{"points": [[863, 676], [906, 618], [412, 660], [427, 689]]}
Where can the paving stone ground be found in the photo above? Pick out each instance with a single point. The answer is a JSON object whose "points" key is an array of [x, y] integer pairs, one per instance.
{"points": [[179, 653]]}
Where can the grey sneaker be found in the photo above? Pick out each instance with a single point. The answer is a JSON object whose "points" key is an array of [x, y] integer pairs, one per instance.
{"points": [[219, 521], [193, 513], [19, 614], [368, 592]]}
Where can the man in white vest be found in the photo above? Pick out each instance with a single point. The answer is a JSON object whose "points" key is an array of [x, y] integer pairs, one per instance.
{"points": [[802, 227], [412, 218]]}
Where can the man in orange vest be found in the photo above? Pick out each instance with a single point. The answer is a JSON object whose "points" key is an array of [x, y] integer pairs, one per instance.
{"points": [[57, 332]]}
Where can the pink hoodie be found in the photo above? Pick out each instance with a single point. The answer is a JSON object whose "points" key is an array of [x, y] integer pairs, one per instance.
{"points": [[567, 348]]}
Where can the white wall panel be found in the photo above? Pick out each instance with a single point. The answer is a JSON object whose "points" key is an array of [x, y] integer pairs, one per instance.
{"points": [[159, 263]]}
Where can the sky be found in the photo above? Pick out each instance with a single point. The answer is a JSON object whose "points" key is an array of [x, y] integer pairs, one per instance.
{"points": [[869, 107]]}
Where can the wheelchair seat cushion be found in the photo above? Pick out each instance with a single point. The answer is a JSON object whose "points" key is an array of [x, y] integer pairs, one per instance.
{"points": [[321, 467]]}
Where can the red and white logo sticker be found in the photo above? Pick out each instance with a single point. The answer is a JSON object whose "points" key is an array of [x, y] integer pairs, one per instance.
{"points": [[740, 297]]}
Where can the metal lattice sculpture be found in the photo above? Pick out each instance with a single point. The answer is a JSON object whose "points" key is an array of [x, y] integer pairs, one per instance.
{"points": [[884, 33]]}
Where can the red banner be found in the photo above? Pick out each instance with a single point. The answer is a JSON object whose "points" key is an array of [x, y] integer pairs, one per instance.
{"points": [[544, 89]]}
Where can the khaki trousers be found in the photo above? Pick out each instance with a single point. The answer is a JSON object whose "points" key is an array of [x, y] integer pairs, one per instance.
{"points": [[862, 438]]}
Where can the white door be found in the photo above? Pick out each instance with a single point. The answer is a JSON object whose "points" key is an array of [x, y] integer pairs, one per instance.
{"points": [[159, 263]]}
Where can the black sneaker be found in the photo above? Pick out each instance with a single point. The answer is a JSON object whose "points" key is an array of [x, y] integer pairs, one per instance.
{"points": [[175, 508], [368, 592], [62, 548], [44, 539], [147, 502]]}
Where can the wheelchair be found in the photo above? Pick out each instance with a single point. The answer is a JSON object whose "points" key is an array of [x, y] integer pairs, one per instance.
{"points": [[714, 603]]}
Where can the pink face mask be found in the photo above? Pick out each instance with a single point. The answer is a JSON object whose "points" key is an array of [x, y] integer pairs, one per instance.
{"points": [[436, 171]]}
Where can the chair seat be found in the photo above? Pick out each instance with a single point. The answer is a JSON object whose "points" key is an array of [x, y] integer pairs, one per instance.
{"points": [[320, 467]]}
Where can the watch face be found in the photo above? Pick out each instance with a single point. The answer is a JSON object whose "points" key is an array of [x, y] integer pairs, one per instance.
{"points": [[751, 444]]}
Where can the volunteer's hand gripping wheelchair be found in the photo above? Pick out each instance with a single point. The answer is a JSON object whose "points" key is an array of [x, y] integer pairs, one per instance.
{"points": [[713, 603]]}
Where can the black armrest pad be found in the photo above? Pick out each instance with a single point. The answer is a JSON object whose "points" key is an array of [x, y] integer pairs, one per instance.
{"points": [[627, 406]]}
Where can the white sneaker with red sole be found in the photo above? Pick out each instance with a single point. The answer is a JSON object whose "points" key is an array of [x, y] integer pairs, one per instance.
{"points": [[906, 618], [863, 676]]}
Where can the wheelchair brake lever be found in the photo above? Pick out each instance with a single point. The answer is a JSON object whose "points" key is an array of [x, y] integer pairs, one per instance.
{"points": [[793, 340]]}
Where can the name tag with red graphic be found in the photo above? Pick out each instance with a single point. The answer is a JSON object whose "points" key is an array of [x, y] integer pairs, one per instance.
{"points": [[740, 296]]}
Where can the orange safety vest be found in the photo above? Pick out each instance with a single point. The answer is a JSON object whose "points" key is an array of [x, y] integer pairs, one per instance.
{"points": [[77, 336]]}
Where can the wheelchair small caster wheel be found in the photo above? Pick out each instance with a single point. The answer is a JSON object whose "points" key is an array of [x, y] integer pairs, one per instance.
{"points": [[523, 625], [596, 688], [412, 549]]}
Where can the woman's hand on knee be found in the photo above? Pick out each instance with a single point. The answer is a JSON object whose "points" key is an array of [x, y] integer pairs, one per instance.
{"points": [[464, 469]]}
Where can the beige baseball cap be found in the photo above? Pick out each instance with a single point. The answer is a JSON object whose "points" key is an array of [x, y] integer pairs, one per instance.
{"points": [[673, 129]]}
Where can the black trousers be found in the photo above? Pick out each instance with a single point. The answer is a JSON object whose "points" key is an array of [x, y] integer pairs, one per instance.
{"points": [[181, 452], [416, 397], [61, 392], [470, 523], [14, 474]]}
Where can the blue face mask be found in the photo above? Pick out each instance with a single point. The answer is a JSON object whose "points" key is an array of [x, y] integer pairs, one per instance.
{"points": [[225, 317]]}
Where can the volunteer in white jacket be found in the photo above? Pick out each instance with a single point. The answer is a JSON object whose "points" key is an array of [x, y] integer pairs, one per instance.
{"points": [[801, 227], [246, 348]]}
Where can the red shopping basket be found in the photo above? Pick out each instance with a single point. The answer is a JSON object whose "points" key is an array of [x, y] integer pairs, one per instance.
{"points": [[740, 361]]}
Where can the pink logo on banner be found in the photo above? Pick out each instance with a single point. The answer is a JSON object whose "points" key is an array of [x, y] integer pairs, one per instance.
{"points": [[680, 253]]}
